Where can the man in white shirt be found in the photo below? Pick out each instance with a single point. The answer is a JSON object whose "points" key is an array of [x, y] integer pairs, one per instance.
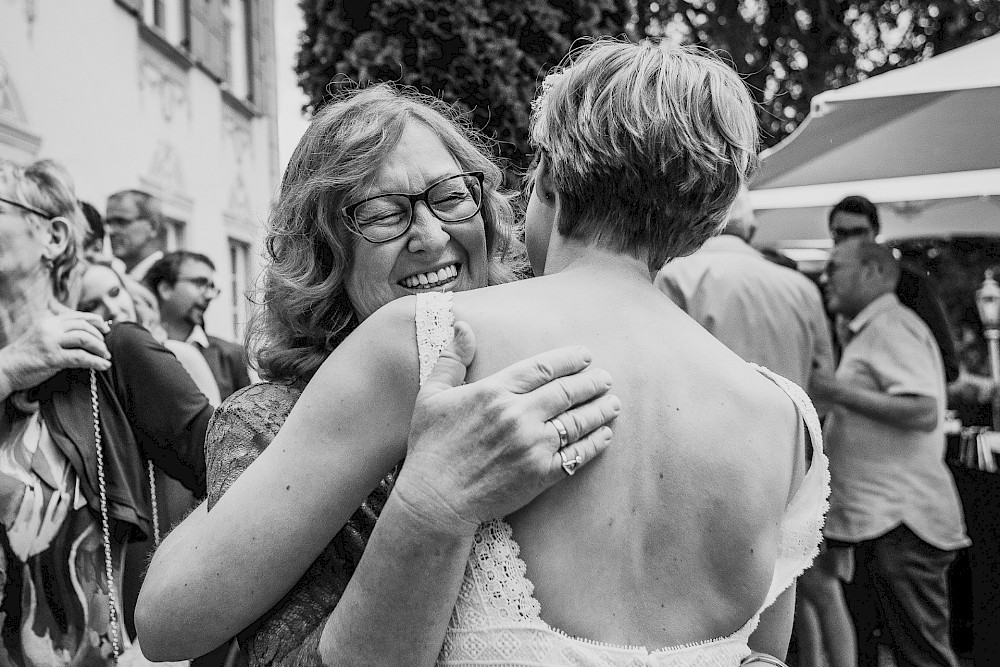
{"points": [[894, 507]]}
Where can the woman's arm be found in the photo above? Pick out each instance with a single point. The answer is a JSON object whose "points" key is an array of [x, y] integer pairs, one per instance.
{"points": [[775, 627], [227, 569]]}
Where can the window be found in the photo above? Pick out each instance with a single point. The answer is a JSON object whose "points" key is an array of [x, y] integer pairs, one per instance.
{"points": [[167, 16], [172, 234], [237, 51], [239, 262]]}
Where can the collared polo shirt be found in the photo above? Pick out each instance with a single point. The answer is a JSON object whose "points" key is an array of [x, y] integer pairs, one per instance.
{"points": [[882, 475]]}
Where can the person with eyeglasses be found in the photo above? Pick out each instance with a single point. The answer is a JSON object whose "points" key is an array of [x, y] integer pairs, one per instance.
{"points": [[664, 549], [184, 285], [855, 217], [72, 507]]}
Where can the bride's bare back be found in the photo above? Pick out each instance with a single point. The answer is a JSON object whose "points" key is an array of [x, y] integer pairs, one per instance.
{"points": [[672, 534]]}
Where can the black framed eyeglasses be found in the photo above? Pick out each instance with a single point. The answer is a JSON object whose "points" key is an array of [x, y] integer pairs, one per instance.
{"points": [[25, 207], [389, 216], [203, 284], [839, 235]]}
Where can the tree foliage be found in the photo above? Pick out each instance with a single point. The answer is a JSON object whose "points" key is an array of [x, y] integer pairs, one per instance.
{"points": [[791, 50], [488, 55]]}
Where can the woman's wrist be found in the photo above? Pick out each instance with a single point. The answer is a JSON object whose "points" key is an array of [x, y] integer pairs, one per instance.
{"points": [[429, 508]]}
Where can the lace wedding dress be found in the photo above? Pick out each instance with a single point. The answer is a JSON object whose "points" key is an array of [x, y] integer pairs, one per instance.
{"points": [[497, 621]]}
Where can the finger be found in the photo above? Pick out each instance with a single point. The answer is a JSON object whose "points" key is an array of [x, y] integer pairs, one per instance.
{"points": [[561, 394], [584, 419], [88, 328], [94, 320], [452, 365], [83, 359], [83, 340], [587, 449], [535, 371]]}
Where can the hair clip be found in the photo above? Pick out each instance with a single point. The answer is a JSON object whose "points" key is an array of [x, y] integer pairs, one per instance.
{"points": [[548, 83]]}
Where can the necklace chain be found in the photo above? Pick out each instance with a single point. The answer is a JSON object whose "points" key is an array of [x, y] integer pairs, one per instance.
{"points": [[105, 526]]}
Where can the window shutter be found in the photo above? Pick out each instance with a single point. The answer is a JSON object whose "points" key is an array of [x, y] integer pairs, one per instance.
{"points": [[208, 36], [257, 54]]}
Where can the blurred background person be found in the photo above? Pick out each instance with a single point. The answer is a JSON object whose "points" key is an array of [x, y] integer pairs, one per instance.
{"points": [[895, 522], [55, 591], [115, 299], [93, 242], [857, 217], [184, 285], [134, 224], [766, 313]]}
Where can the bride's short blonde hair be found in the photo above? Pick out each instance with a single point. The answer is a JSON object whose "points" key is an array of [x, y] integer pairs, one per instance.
{"points": [[648, 145]]}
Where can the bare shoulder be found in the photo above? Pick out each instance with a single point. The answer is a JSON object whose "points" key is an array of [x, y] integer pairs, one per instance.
{"points": [[381, 350]]}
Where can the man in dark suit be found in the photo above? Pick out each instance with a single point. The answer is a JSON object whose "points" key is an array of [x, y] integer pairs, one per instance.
{"points": [[184, 285]]}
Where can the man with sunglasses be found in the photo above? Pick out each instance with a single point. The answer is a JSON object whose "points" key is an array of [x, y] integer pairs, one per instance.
{"points": [[857, 217]]}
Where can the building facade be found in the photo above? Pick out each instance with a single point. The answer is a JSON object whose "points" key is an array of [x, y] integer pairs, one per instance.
{"points": [[175, 97]]}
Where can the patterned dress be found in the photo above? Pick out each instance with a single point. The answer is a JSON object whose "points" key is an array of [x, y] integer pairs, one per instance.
{"points": [[55, 601]]}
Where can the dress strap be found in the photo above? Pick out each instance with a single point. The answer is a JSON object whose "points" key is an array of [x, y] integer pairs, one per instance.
{"points": [[802, 523], [435, 322]]}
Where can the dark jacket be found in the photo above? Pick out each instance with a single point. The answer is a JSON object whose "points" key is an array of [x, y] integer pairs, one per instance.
{"points": [[228, 362], [150, 409]]}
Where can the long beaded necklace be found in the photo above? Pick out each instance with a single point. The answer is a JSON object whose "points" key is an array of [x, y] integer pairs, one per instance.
{"points": [[113, 620]]}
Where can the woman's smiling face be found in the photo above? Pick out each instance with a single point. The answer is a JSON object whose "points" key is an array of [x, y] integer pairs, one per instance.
{"points": [[431, 255], [104, 294]]}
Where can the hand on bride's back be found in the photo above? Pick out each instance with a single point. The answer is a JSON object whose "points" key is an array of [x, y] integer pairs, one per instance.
{"points": [[483, 450]]}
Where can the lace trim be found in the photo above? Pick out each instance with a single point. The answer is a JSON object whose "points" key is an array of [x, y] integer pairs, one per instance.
{"points": [[435, 324], [802, 524]]}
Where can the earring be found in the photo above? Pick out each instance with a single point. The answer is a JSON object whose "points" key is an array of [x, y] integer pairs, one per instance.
{"points": [[48, 263]]}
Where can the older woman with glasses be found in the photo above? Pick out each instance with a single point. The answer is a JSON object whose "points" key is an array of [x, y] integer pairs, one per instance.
{"points": [[85, 405], [670, 547], [347, 236]]}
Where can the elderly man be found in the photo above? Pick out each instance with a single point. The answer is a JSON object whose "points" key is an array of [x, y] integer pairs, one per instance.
{"points": [[857, 217], [894, 508], [765, 313], [134, 223]]}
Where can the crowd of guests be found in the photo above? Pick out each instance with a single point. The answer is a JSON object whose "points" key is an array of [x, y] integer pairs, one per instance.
{"points": [[406, 488], [882, 379]]}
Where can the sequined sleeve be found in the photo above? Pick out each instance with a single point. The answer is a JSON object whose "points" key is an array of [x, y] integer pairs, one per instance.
{"points": [[288, 634]]}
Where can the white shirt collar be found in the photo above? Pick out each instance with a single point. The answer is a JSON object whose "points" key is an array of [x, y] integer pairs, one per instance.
{"points": [[140, 270], [198, 337]]}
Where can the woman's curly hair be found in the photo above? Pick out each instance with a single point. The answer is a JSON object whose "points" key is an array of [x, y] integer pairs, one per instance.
{"points": [[303, 311]]}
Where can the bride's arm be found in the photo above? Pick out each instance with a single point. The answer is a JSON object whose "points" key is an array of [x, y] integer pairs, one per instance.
{"points": [[229, 566]]}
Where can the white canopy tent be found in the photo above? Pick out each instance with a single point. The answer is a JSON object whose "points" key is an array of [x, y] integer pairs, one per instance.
{"points": [[922, 142]]}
